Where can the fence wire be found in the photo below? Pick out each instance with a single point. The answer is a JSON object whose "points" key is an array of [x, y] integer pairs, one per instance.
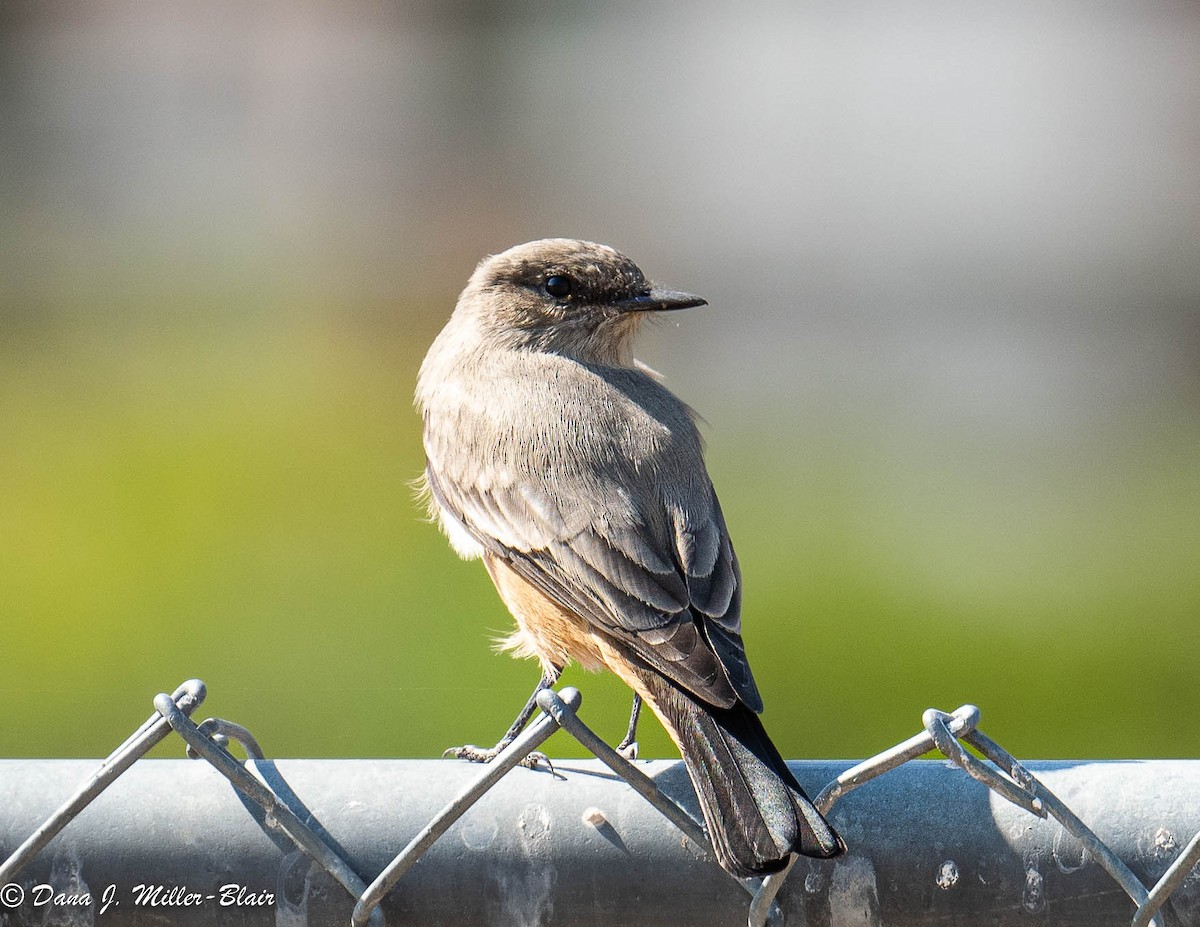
{"points": [[944, 732]]}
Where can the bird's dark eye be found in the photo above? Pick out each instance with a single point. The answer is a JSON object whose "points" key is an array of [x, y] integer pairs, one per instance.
{"points": [[558, 286]]}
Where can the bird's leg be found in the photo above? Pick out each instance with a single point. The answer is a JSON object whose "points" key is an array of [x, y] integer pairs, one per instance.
{"points": [[480, 755], [628, 747]]}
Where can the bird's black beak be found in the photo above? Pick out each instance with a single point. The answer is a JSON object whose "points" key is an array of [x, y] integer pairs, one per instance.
{"points": [[657, 299]]}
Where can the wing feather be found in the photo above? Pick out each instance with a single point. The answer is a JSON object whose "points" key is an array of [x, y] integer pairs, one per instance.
{"points": [[672, 596]]}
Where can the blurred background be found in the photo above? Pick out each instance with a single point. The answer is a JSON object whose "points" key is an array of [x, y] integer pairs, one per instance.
{"points": [[950, 369]]}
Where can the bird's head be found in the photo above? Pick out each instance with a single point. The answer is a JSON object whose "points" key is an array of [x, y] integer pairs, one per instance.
{"points": [[565, 296]]}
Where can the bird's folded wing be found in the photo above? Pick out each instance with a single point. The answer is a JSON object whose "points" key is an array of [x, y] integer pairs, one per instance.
{"points": [[669, 589]]}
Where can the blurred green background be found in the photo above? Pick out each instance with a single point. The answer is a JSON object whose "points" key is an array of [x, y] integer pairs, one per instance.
{"points": [[950, 370]]}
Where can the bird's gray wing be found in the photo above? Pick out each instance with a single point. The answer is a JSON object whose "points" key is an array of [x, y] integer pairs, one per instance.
{"points": [[661, 578]]}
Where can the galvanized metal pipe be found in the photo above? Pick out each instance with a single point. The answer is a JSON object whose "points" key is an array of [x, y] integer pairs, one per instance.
{"points": [[172, 842]]}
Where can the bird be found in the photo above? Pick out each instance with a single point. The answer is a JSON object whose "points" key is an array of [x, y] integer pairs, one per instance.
{"points": [[578, 478]]}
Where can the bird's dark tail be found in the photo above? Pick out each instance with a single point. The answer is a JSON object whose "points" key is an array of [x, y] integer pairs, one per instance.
{"points": [[756, 812]]}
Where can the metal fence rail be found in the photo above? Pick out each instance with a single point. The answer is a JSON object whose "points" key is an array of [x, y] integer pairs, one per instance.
{"points": [[306, 842]]}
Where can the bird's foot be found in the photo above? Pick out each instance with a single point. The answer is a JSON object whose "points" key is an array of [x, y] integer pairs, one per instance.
{"points": [[474, 754], [628, 749]]}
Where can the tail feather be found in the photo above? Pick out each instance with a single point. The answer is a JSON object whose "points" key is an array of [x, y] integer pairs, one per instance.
{"points": [[756, 812]]}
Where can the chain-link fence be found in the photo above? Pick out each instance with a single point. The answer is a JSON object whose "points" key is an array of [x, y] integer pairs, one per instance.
{"points": [[928, 847]]}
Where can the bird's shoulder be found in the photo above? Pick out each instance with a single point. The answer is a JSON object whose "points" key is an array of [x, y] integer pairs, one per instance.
{"points": [[542, 403]]}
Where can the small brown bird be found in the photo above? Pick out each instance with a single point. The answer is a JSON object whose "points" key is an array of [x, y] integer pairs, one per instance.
{"points": [[579, 479]]}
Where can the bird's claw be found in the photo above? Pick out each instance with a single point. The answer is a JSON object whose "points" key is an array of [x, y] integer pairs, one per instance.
{"points": [[535, 759], [474, 754], [628, 749]]}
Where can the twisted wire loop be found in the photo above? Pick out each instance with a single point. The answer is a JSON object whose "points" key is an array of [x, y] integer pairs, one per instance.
{"points": [[1013, 782], [258, 782], [203, 743]]}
